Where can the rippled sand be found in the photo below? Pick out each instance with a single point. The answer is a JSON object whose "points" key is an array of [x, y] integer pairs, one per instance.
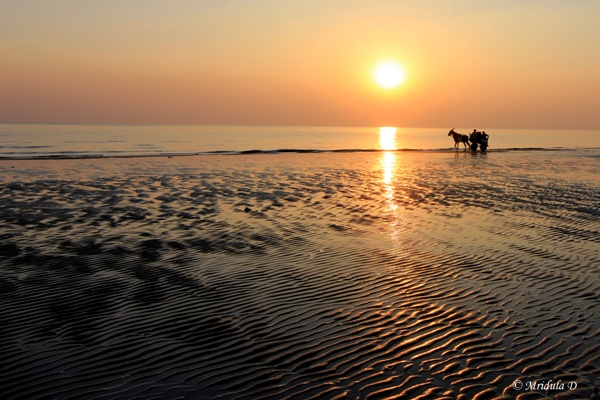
{"points": [[359, 275]]}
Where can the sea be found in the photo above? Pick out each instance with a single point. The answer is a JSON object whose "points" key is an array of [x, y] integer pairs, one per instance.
{"points": [[43, 141]]}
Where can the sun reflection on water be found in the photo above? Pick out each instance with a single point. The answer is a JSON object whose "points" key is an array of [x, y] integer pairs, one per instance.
{"points": [[389, 165], [387, 141], [387, 138], [388, 161]]}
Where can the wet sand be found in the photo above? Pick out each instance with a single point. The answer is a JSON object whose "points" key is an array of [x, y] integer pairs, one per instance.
{"points": [[361, 275]]}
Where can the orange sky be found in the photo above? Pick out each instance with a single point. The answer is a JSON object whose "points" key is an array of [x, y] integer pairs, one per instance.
{"points": [[502, 64]]}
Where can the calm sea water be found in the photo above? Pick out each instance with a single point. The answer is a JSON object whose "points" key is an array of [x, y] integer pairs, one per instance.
{"points": [[74, 141]]}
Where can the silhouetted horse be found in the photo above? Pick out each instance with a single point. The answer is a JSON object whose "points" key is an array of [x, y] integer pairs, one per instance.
{"points": [[458, 138]]}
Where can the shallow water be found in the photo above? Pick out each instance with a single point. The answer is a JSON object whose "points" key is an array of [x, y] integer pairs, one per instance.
{"points": [[69, 141], [362, 275]]}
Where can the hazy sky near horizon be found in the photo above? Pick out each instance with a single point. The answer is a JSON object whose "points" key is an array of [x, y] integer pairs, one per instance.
{"points": [[473, 63]]}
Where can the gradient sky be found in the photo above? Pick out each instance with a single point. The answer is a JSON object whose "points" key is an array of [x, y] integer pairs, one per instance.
{"points": [[474, 63]]}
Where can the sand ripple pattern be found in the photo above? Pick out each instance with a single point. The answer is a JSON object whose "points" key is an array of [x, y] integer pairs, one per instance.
{"points": [[302, 280]]}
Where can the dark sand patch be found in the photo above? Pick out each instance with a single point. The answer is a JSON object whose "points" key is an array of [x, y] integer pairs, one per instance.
{"points": [[299, 276]]}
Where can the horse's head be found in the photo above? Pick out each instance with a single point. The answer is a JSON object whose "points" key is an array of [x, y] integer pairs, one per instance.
{"points": [[451, 132]]}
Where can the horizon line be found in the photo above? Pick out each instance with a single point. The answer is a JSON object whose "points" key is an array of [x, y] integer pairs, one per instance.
{"points": [[279, 125]]}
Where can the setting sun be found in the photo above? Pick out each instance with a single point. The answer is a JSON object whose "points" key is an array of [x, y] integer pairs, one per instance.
{"points": [[389, 75]]}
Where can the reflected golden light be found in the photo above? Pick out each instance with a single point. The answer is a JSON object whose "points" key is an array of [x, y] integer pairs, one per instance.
{"points": [[387, 138], [388, 161], [389, 168]]}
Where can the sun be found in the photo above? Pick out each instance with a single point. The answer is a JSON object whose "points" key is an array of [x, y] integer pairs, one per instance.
{"points": [[389, 75]]}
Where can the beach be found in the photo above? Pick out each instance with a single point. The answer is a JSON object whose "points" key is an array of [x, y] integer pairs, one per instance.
{"points": [[379, 274]]}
